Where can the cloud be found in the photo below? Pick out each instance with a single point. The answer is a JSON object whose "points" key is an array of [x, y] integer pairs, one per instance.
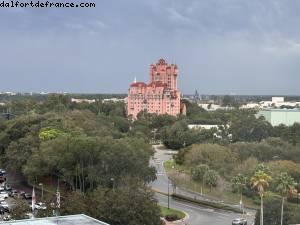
{"points": [[176, 17], [220, 46], [284, 48], [100, 24]]}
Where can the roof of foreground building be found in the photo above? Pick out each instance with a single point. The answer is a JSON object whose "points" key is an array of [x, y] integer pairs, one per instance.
{"points": [[80, 219]]}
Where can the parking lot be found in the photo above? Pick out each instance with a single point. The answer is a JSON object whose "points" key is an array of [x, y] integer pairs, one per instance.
{"points": [[9, 192]]}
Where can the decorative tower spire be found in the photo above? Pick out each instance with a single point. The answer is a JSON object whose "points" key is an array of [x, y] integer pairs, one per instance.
{"points": [[134, 81]]}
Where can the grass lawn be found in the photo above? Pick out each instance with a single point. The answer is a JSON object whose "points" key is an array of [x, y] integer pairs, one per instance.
{"points": [[164, 211]]}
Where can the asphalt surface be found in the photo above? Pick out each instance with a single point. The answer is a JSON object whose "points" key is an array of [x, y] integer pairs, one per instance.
{"points": [[197, 215]]}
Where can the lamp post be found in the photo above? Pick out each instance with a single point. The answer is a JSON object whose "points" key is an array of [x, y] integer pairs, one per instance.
{"points": [[42, 185], [168, 193], [113, 183]]}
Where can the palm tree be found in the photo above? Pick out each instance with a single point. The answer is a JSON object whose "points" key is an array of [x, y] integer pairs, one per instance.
{"points": [[239, 182], [211, 178], [285, 185], [198, 174], [260, 181]]}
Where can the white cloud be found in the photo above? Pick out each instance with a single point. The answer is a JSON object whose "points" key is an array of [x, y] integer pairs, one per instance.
{"points": [[175, 16], [74, 26], [99, 24], [284, 47]]}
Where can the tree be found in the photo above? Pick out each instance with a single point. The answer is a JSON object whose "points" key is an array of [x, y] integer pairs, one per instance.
{"points": [[260, 181], [272, 213], [240, 182], [246, 127], [49, 133], [19, 210], [198, 174], [211, 178], [217, 157], [285, 185], [263, 168], [174, 137], [229, 101], [132, 203]]}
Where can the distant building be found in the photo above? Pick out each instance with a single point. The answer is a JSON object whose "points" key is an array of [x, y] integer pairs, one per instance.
{"points": [[114, 100], [202, 126], [251, 105], [213, 107], [218, 128], [159, 96], [8, 93], [280, 116], [276, 102], [61, 220], [76, 100]]}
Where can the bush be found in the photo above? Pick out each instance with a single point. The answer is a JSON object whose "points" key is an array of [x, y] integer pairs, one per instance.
{"points": [[172, 217]]}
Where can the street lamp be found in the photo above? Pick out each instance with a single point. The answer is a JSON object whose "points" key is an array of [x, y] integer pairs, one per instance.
{"points": [[42, 185], [113, 183], [168, 193]]}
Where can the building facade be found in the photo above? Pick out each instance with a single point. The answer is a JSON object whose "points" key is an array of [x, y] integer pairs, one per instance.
{"points": [[159, 96], [281, 116]]}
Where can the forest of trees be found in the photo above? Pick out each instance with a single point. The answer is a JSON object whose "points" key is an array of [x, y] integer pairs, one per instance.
{"points": [[90, 149], [98, 154]]}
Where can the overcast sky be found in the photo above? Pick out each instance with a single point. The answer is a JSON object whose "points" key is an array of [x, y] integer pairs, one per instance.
{"points": [[220, 46]]}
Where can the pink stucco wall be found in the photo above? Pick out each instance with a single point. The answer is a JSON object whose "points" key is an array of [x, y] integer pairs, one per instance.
{"points": [[160, 95]]}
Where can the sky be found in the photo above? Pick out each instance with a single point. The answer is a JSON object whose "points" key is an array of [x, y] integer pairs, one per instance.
{"points": [[220, 46]]}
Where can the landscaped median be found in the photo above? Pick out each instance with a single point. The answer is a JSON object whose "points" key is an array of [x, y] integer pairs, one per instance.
{"points": [[171, 215], [209, 204]]}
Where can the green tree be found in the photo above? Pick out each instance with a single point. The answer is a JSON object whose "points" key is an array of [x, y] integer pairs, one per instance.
{"points": [[19, 209], [132, 203], [263, 168], [260, 181], [272, 213], [239, 181], [49, 133], [198, 174], [219, 158], [285, 185], [229, 101], [211, 178], [246, 127]]}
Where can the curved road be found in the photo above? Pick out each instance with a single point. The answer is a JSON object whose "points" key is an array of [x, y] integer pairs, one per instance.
{"points": [[197, 215]]}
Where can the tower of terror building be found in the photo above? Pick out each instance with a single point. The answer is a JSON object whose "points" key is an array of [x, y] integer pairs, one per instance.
{"points": [[160, 95]]}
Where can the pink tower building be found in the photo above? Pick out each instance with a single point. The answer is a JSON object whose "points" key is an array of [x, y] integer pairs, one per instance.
{"points": [[160, 96]]}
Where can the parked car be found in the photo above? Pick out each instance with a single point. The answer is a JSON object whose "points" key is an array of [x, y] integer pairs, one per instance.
{"points": [[13, 193], [3, 194], [40, 205], [7, 218], [29, 216], [239, 221], [2, 178], [4, 204], [27, 196], [4, 207], [7, 187], [2, 210]]}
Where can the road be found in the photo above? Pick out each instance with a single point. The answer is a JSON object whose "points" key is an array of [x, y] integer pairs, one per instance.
{"points": [[197, 215]]}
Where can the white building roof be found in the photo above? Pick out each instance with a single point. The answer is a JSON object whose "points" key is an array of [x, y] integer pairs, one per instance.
{"points": [[61, 220]]}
